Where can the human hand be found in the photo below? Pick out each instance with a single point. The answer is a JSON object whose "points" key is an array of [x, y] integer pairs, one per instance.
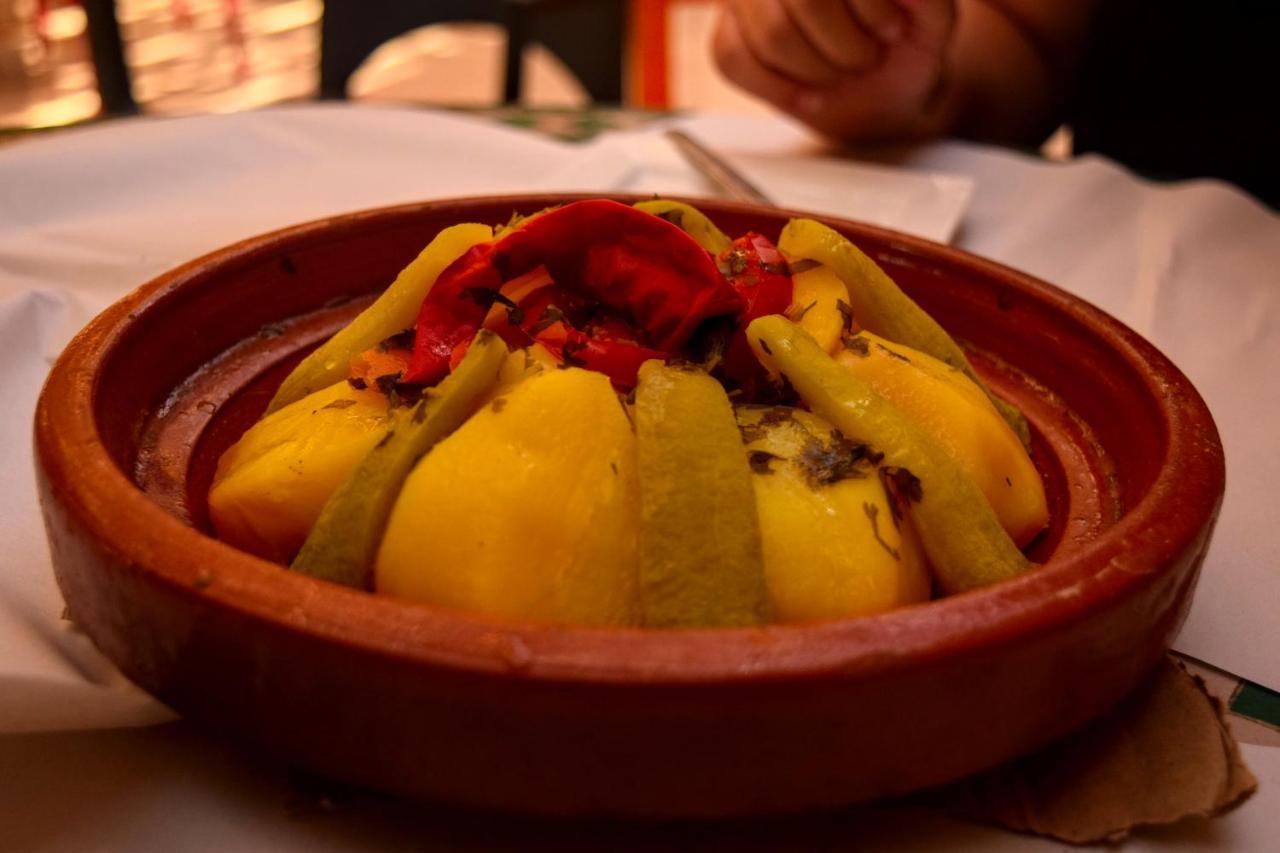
{"points": [[859, 70]]}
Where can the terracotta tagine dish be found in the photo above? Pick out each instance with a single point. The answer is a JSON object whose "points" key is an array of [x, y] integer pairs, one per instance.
{"points": [[645, 711]]}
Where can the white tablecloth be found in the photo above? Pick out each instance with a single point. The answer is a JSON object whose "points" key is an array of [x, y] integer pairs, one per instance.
{"points": [[87, 215]]}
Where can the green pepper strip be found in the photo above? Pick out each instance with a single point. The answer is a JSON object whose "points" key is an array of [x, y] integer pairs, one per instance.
{"points": [[881, 307], [344, 541], [394, 311], [960, 533], [701, 559]]}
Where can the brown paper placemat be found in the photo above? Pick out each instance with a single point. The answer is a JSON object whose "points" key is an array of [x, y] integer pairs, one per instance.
{"points": [[1164, 754]]}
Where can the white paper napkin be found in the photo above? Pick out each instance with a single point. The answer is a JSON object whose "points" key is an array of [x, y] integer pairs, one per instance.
{"points": [[790, 166]]}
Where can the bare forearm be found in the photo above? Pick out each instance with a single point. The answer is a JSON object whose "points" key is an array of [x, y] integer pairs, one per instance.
{"points": [[995, 70], [1008, 72]]}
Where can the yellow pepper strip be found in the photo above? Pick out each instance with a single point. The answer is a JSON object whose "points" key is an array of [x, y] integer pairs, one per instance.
{"points": [[701, 561], [881, 307], [690, 220], [344, 541], [960, 532], [817, 297], [394, 311]]}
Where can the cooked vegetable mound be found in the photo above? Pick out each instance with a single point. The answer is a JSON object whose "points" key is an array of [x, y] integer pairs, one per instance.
{"points": [[601, 414]]}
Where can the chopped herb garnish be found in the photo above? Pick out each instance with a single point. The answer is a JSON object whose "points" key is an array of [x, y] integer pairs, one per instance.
{"points": [[382, 441], [498, 404], [549, 317], [271, 330], [387, 382], [760, 460], [203, 579], [357, 382], [420, 413], [846, 311], [630, 397], [873, 513], [902, 487], [515, 316], [737, 260], [899, 356], [803, 265], [400, 340], [824, 463], [765, 346], [775, 415], [675, 217], [614, 466], [680, 363], [1008, 482], [339, 404], [857, 344], [805, 310], [776, 269]]}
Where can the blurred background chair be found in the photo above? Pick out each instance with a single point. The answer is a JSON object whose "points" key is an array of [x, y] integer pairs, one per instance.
{"points": [[68, 60], [586, 35]]}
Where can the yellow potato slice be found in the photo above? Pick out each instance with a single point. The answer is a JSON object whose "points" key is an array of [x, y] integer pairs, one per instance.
{"points": [[966, 546], [271, 484], [833, 547], [528, 511]]}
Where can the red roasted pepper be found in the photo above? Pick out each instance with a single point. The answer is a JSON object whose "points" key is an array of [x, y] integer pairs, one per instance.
{"points": [[759, 274], [651, 274]]}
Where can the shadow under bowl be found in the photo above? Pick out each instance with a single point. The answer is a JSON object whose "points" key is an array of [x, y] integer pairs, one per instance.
{"points": [[550, 720]]}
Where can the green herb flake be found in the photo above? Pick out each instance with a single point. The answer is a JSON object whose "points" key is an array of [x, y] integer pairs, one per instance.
{"points": [[846, 311], [836, 459], [399, 341], [760, 460], [901, 487], [550, 316], [857, 344], [873, 513], [899, 356], [675, 217]]}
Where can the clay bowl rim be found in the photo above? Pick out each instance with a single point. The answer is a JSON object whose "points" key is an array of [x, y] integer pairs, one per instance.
{"points": [[141, 535]]}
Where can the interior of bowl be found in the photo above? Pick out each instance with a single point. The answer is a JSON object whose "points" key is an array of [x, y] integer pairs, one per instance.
{"points": [[231, 325]]}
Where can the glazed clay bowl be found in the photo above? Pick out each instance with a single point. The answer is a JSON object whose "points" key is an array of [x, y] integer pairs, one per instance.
{"points": [[467, 709]]}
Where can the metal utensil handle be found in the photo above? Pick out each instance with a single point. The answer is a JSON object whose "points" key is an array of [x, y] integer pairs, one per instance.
{"points": [[716, 170]]}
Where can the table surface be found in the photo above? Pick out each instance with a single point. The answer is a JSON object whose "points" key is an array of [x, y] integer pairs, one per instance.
{"points": [[89, 213]]}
